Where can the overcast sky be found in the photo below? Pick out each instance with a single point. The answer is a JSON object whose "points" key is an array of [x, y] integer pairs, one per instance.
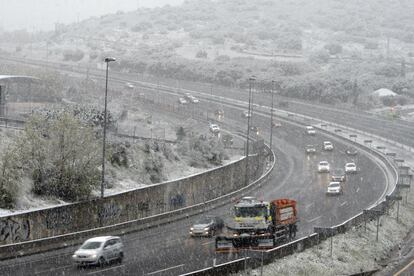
{"points": [[43, 14]]}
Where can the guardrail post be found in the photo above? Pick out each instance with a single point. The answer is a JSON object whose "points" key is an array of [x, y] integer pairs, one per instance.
{"points": [[261, 264], [245, 261], [376, 239]]}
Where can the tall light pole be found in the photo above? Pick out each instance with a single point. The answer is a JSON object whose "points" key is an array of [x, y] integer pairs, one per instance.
{"points": [[271, 116], [107, 60], [251, 82]]}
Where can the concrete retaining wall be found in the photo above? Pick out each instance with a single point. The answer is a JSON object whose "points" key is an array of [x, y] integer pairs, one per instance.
{"points": [[132, 205]]}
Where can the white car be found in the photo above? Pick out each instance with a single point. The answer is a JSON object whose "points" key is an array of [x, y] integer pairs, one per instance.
{"points": [[129, 85], [193, 99], [214, 128], [334, 188], [99, 251], [310, 130], [323, 166], [327, 146], [246, 114], [350, 168], [182, 101]]}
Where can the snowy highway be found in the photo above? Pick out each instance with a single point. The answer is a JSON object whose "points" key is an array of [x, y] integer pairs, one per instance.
{"points": [[168, 249]]}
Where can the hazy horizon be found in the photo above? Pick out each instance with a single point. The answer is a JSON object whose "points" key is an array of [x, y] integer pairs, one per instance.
{"points": [[41, 15]]}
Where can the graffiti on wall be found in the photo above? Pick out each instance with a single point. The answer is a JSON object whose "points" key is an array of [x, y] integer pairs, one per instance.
{"points": [[14, 231], [143, 206], [109, 211], [58, 218], [177, 201]]}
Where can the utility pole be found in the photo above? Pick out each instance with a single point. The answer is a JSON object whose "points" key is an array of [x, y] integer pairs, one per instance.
{"points": [[403, 68], [107, 61], [388, 47], [250, 111], [271, 117]]}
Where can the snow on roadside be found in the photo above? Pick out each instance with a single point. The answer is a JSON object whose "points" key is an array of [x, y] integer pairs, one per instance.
{"points": [[353, 252]]}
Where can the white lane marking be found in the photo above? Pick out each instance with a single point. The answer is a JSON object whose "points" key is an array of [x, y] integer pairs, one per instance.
{"points": [[102, 270], [357, 190], [314, 219], [343, 203], [209, 242], [309, 205], [165, 269], [53, 269]]}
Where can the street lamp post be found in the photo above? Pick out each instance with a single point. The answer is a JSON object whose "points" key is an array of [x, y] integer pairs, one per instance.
{"points": [[251, 81], [107, 60], [271, 116]]}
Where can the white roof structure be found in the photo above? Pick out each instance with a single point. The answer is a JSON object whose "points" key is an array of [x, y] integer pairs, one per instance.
{"points": [[16, 77], [384, 92]]}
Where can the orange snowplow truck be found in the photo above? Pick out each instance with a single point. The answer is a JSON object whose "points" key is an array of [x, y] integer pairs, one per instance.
{"points": [[259, 225]]}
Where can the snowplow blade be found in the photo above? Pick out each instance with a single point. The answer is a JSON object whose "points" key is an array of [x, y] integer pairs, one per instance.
{"points": [[237, 243], [224, 244]]}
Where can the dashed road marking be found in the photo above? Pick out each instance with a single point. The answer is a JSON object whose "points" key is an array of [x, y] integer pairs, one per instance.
{"points": [[165, 269], [312, 220], [102, 270]]}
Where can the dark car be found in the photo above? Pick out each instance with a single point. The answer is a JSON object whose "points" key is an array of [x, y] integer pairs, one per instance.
{"points": [[227, 140], [206, 227], [310, 149], [255, 130], [351, 151], [338, 175]]}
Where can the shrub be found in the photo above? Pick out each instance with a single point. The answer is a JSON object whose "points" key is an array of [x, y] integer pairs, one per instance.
{"points": [[61, 155], [203, 151]]}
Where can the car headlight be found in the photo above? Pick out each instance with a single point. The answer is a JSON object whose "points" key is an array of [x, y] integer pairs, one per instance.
{"points": [[74, 256], [206, 229], [192, 228], [93, 256]]}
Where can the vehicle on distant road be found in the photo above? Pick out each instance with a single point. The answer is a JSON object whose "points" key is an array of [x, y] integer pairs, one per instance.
{"points": [[129, 85], [194, 99], [99, 251], [219, 113], [338, 175], [246, 114], [214, 128], [323, 166], [351, 151], [350, 167], [206, 227], [310, 130], [334, 188], [327, 145], [255, 130], [182, 101], [227, 140], [276, 124], [310, 149]]}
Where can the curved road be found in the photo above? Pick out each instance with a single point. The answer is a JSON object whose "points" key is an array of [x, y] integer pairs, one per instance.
{"points": [[168, 250]]}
